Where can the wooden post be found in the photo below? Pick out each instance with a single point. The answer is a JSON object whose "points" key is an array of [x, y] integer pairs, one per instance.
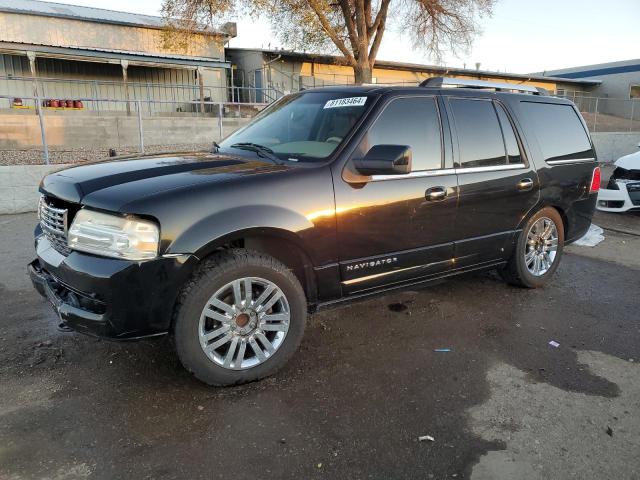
{"points": [[201, 85], [232, 94], [125, 79], [38, 104], [34, 72], [140, 130]]}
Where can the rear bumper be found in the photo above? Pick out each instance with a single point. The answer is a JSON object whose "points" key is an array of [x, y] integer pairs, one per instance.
{"points": [[110, 298], [620, 200]]}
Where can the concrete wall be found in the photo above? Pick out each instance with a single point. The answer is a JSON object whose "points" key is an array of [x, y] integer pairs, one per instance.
{"points": [[81, 130], [19, 186], [19, 183], [22, 132], [611, 146]]}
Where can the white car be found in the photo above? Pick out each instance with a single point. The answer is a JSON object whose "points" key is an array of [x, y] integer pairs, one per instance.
{"points": [[623, 190]]}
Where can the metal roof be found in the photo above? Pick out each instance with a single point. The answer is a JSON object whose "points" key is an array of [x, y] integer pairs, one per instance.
{"points": [[91, 14], [93, 54], [597, 70]]}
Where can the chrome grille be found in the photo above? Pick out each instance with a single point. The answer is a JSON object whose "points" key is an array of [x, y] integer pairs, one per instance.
{"points": [[54, 225]]}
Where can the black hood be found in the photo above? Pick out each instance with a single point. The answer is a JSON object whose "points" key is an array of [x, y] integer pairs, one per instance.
{"points": [[111, 184]]}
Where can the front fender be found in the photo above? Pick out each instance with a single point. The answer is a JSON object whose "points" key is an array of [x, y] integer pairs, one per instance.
{"points": [[221, 227]]}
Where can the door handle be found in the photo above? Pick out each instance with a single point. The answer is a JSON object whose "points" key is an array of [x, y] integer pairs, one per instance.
{"points": [[434, 194], [525, 184]]}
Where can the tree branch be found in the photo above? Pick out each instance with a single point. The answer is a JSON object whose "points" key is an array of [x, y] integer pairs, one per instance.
{"points": [[367, 15], [381, 20], [330, 31], [362, 53], [354, 28], [360, 20], [382, 12], [351, 27]]}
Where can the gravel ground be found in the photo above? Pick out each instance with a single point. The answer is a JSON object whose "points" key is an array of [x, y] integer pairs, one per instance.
{"points": [[79, 155]]}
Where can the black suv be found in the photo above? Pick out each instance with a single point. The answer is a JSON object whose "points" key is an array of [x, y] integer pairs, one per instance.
{"points": [[328, 195]]}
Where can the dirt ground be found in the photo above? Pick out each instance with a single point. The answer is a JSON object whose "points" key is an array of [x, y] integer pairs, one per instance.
{"points": [[366, 383]]}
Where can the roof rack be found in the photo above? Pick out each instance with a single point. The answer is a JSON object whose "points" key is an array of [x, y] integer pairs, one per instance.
{"points": [[449, 82]]}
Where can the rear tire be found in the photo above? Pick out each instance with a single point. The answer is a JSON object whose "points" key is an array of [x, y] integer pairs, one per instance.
{"points": [[538, 250], [238, 302]]}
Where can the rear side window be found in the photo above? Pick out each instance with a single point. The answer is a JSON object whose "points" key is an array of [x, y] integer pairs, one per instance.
{"points": [[514, 156], [558, 129], [410, 121], [479, 133]]}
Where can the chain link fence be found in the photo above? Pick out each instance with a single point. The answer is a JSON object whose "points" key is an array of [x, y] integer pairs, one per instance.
{"points": [[156, 96], [604, 114], [35, 131]]}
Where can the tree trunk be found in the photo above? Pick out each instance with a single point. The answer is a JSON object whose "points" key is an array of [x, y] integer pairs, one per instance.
{"points": [[362, 73]]}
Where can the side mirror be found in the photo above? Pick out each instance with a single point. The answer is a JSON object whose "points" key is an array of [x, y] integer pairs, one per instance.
{"points": [[385, 160]]}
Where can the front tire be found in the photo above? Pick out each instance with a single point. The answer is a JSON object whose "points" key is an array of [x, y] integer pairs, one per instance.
{"points": [[538, 251], [239, 319]]}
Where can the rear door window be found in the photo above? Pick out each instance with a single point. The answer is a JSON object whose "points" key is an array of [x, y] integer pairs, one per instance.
{"points": [[479, 134], [514, 156], [559, 131]]}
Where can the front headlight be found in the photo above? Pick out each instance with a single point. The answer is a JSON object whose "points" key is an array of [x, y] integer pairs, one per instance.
{"points": [[114, 236]]}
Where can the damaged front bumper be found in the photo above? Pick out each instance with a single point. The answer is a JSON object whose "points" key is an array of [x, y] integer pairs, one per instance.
{"points": [[72, 308], [106, 297], [621, 199]]}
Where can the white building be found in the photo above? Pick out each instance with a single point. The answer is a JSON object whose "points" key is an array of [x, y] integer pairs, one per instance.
{"points": [[82, 52]]}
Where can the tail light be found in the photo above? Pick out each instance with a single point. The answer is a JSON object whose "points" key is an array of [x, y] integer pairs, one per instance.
{"points": [[595, 180]]}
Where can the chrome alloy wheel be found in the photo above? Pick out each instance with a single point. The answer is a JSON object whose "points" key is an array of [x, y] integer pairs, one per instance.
{"points": [[244, 323], [542, 246]]}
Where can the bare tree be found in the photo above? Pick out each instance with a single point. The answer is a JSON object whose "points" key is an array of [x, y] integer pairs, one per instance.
{"points": [[354, 28]]}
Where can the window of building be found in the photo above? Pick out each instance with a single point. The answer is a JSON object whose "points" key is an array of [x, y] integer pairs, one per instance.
{"points": [[560, 133], [479, 134], [410, 121]]}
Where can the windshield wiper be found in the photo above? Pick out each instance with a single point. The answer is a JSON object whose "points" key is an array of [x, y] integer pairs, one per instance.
{"points": [[261, 150]]}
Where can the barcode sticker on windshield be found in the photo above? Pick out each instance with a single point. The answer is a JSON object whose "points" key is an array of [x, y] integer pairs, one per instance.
{"points": [[346, 102]]}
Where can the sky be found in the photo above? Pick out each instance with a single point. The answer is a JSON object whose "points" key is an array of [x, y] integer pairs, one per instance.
{"points": [[520, 37]]}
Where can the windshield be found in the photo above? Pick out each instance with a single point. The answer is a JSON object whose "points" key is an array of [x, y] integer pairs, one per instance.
{"points": [[304, 126]]}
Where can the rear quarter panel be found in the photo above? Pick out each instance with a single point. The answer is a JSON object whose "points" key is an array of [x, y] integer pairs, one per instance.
{"points": [[562, 186]]}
